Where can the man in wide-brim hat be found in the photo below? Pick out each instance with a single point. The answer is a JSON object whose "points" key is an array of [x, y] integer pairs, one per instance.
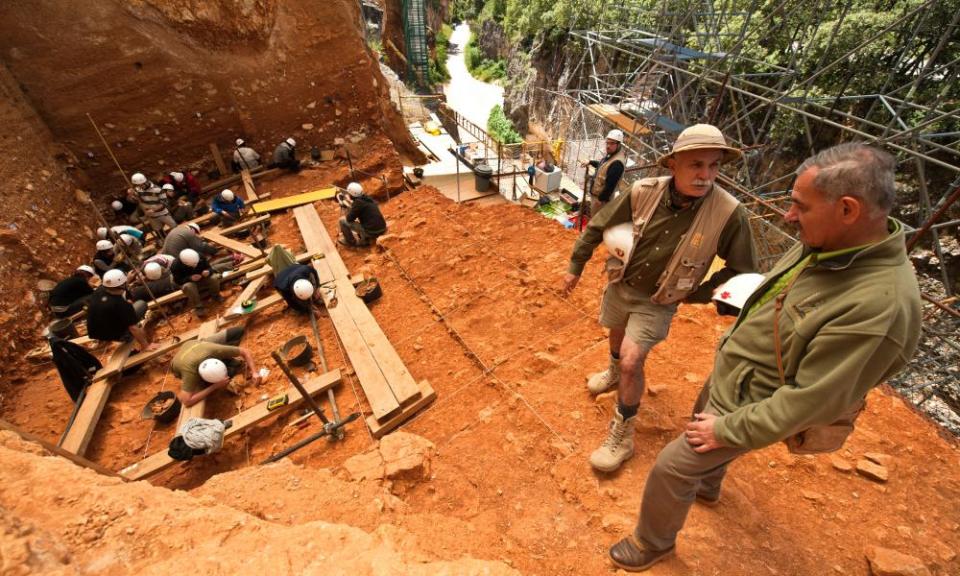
{"points": [[662, 238]]}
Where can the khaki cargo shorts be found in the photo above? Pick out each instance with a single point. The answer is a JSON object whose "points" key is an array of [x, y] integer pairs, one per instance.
{"points": [[646, 323]]}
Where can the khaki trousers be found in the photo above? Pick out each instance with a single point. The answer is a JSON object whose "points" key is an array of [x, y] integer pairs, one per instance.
{"points": [[674, 482]]}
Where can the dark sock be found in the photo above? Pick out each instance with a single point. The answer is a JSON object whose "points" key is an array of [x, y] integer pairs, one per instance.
{"points": [[627, 411], [615, 355]]}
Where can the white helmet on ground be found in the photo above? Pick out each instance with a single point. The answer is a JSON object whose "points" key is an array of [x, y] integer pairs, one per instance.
{"points": [[104, 245], [303, 289], [354, 189], [86, 269], [189, 257], [116, 205], [615, 135], [228, 195], [167, 186], [240, 142], [178, 176], [213, 371], [114, 278], [736, 290], [138, 179], [194, 226], [102, 232], [619, 240], [291, 141], [152, 271]]}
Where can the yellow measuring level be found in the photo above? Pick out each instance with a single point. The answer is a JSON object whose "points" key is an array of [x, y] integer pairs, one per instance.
{"points": [[291, 201]]}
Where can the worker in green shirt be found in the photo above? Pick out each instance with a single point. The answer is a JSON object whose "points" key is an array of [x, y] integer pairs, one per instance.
{"points": [[662, 238], [837, 315]]}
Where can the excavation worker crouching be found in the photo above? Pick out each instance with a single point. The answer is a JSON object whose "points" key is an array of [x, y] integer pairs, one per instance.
{"points": [[285, 156], [111, 317], [207, 365], [298, 285], [364, 222], [193, 272], [228, 207], [662, 238], [837, 315], [71, 294]]}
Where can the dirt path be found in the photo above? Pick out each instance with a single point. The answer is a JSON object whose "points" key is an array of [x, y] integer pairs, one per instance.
{"points": [[466, 94]]}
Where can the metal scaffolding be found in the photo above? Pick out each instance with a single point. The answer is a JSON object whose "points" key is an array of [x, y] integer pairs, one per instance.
{"points": [[652, 72]]}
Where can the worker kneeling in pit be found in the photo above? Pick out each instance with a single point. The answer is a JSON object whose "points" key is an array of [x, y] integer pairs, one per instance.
{"points": [[298, 284], [207, 365], [191, 272], [662, 238], [364, 222]]}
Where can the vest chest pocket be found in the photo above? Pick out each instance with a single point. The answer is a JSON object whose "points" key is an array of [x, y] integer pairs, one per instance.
{"points": [[687, 274]]}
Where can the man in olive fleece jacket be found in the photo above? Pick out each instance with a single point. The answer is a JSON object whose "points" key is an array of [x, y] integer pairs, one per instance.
{"points": [[847, 311]]}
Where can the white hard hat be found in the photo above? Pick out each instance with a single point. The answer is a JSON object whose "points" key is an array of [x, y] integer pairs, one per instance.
{"points": [[167, 186], [117, 205], [615, 135], [354, 189], [194, 226], [227, 195], [126, 239], [138, 179], [303, 289], [239, 141], [619, 241], [86, 268], [189, 256], [178, 176], [152, 271], [104, 245], [291, 141], [114, 278], [736, 290], [213, 371], [102, 232]]}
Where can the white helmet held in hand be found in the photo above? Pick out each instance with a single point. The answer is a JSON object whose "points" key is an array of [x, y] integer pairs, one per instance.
{"points": [[619, 241], [303, 289], [213, 371], [116, 205], [615, 135], [354, 189], [114, 278], [291, 141], [738, 289], [189, 257], [152, 271], [138, 179], [228, 195], [104, 245], [102, 232]]}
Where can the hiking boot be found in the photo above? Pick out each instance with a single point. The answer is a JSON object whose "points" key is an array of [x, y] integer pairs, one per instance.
{"points": [[631, 556], [618, 447], [603, 381]]}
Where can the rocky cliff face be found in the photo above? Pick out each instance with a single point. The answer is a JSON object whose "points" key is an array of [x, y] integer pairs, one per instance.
{"points": [[164, 78], [533, 79]]}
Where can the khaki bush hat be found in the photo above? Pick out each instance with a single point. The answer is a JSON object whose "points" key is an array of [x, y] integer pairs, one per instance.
{"points": [[702, 137]]}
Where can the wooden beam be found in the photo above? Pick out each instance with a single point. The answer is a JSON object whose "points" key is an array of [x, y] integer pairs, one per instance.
{"points": [[85, 422], [291, 201], [249, 189], [224, 182], [54, 449], [242, 225], [246, 419], [218, 158], [228, 276], [264, 270], [379, 428], [230, 243]]}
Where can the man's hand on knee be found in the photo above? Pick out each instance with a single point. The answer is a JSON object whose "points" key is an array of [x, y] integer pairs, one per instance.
{"points": [[700, 435]]}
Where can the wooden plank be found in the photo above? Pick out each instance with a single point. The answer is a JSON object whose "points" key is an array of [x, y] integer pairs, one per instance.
{"points": [[401, 382], [374, 383], [241, 226], [249, 291], [235, 245], [218, 158], [233, 178], [200, 220], [228, 276], [81, 432], [250, 191], [148, 355], [291, 201], [207, 329], [250, 417], [379, 428], [54, 449], [264, 270]]}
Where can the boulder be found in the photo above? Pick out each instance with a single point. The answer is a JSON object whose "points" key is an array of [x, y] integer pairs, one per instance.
{"points": [[406, 456], [887, 562]]}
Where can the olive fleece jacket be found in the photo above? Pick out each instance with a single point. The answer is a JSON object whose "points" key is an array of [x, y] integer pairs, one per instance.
{"points": [[848, 323]]}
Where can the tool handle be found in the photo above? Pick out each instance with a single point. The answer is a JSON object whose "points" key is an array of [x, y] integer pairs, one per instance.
{"points": [[296, 384]]}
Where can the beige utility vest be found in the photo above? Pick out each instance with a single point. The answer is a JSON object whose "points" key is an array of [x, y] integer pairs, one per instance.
{"points": [[697, 248], [600, 180]]}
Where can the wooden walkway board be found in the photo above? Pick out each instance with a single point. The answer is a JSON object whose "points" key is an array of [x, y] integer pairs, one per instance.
{"points": [[291, 201], [218, 158], [235, 245], [380, 427], [250, 417], [81, 432], [249, 223], [250, 190]]}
